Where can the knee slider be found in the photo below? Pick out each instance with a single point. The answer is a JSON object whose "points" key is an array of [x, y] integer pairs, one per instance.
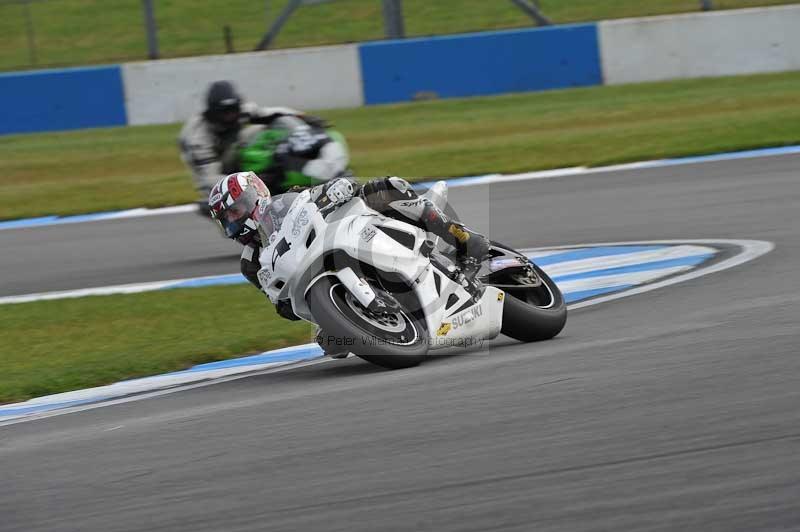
{"points": [[399, 184]]}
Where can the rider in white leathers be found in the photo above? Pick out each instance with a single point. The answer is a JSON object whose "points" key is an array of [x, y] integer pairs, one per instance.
{"points": [[208, 136], [234, 202]]}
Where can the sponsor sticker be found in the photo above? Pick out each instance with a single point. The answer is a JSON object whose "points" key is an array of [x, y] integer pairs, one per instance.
{"points": [[264, 275], [444, 329], [299, 222], [368, 233], [468, 316]]}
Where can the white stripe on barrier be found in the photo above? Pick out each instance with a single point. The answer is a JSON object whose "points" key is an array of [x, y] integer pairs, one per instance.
{"points": [[692, 45], [171, 90]]}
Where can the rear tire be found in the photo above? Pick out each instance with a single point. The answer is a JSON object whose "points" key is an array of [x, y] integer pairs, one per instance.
{"points": [[527, 322], [392, 340], [536, 313]]}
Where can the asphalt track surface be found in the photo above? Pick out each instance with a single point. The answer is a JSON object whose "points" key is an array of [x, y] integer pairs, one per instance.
{"points": [[671, 410]]}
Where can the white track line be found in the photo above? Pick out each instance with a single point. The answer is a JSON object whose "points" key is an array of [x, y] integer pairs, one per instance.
{"points": [[607, 281], [143, 212], [562, 268], [627, 259], [750, 250], [453, 182], [132, 288]]}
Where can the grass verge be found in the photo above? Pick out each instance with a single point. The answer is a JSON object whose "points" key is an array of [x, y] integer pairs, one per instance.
{"points": [[74, 32], [107, 169], [57, 346]]}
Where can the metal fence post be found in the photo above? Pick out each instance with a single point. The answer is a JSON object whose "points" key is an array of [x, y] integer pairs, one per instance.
{"points": [[393, 19], [30, 31], [151, 29], [533, 11], [267, 39], [228, 36]]}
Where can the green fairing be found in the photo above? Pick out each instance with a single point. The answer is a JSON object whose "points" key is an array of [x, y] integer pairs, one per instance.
{"points": [[299, 179], [257, 156]]}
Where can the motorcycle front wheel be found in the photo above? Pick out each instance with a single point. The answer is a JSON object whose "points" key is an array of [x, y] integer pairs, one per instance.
{"points": [[392, 339]]}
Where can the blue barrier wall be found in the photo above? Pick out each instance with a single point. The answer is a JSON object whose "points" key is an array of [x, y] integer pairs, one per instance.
{"points": [[52, 100], [481, 63], [391, 71]]}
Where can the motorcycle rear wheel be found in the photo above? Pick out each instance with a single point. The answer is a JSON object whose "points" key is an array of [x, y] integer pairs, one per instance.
{"points": [[532, 314], [393, 339]]}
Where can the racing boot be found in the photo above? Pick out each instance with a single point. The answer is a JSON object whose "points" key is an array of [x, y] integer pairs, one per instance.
{"points": [[471, 247]]}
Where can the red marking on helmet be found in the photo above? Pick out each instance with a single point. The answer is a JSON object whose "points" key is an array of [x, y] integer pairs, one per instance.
{"points": [[233, 186], [216, 198]]}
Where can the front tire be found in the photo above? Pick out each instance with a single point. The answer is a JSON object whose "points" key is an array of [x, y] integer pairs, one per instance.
{"points": [[394, 340]]}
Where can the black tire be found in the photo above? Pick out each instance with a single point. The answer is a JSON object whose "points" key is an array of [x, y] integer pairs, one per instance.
{"points": [[533, 314], [344, 326]]}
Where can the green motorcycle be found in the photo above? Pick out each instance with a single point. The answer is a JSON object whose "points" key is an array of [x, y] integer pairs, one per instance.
{"points": [[289, 153]]}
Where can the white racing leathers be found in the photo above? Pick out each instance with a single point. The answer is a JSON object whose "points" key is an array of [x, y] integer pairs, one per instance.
{"points": [[311, 242]]}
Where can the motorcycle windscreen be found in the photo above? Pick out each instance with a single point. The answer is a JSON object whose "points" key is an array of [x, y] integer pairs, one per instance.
{"points": [[271, 217]]}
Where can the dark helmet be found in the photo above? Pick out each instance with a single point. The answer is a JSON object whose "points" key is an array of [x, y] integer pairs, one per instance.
{"points": [[223, 105]]}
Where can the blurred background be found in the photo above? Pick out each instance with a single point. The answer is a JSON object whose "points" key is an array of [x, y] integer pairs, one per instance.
{"points": [[674, 409], [48, 33], [93, 95]]}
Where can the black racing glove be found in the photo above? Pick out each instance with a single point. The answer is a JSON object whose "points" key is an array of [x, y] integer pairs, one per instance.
{"points": [[261, 120], [316, 121]]}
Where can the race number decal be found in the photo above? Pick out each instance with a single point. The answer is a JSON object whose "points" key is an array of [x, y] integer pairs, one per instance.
{"points": [[280, 250]]}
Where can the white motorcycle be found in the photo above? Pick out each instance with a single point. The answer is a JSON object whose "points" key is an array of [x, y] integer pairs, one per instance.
{"points": [[389, 292]]}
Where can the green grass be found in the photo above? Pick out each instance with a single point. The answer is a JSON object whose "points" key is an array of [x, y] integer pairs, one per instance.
{"points": [[75, 32], [57, 346], [106, 169]]}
